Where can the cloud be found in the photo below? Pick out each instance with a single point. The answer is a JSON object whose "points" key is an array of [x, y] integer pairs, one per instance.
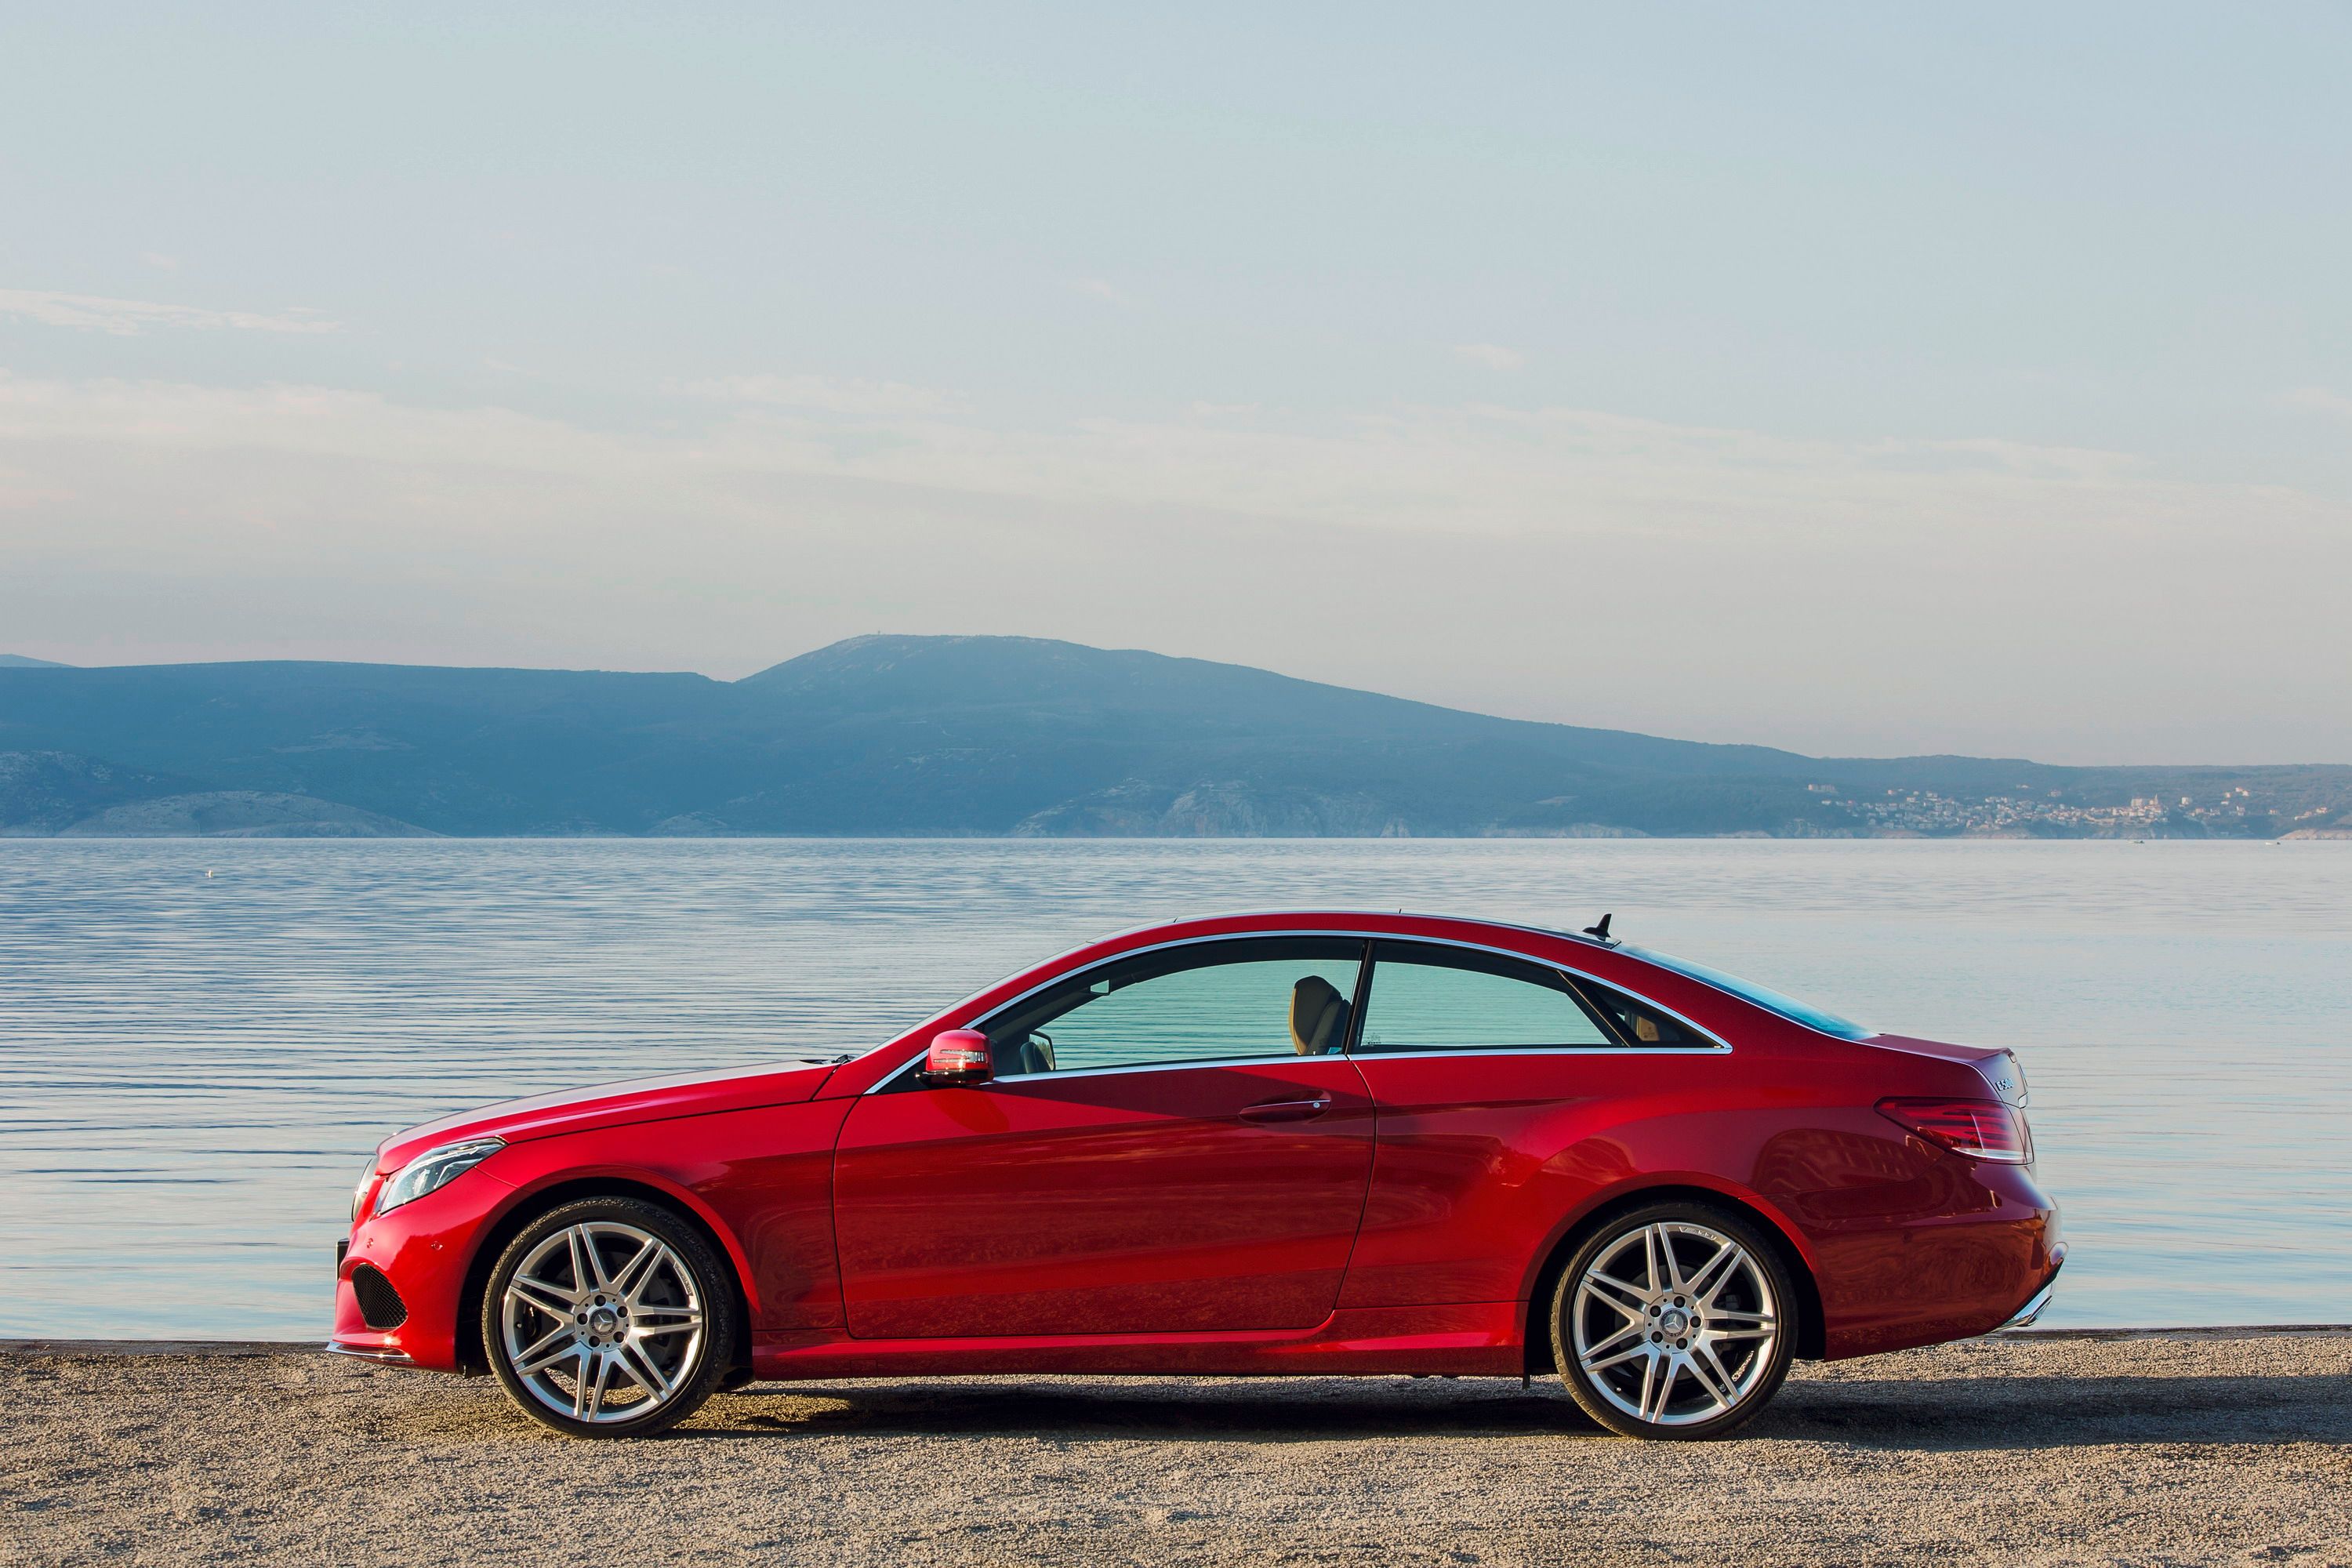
{"points": [[1101, 289], [129, 318], [1487, 469], [1494, 356], [2319, 398], [815, 392]]}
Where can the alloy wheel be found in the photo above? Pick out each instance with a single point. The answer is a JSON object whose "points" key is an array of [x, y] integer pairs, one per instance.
{"points": [[1674, 1324], [603, 1322]]}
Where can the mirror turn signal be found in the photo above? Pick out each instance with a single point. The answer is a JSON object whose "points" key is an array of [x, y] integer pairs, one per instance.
{"points": [[958, 1058]]}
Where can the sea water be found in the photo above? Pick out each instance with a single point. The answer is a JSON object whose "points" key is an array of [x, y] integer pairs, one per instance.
{"points": [[201, 1040]]}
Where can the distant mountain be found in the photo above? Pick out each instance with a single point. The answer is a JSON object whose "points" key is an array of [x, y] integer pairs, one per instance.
{"points": [[18, 662], [912, 736]]}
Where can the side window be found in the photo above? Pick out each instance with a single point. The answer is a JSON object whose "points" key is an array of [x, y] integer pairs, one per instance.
{"points": [[1641, 1024], [1206, 1002], [1430, 997]]}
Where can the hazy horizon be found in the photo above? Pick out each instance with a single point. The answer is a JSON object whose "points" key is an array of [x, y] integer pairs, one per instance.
{"points": [[1857, 381]]}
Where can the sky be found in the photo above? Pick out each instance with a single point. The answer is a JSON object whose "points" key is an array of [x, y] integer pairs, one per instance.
{"points": [[1859, 379]]}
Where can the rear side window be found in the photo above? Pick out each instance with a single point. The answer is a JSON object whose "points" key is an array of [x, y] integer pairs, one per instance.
{"points": [[1789, 1008], [1641, 1024], [1427, 998]]}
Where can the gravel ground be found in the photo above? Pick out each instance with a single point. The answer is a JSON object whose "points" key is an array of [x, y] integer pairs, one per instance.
{"points": [[2176, 1448]]}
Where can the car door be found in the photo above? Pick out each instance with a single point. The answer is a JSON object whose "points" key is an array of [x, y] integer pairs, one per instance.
{"points": [[1504, 1088], [1174, 1142]]}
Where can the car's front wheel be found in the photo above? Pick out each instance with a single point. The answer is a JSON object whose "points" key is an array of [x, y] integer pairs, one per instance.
{"points": [[1674, 1320], [609, 1318]]}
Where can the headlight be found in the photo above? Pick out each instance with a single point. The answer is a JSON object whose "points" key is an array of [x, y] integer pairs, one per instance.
{"points": [[435, 1169], [359, 1193]]}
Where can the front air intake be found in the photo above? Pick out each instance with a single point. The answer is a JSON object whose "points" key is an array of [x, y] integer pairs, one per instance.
{"points": [[380, 1304]]}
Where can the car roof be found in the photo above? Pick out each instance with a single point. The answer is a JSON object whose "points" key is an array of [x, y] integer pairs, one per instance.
{"points": [[1320, 914]]}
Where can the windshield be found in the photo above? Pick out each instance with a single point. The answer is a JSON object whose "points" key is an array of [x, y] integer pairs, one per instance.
{"points": [[1789, 1008]]}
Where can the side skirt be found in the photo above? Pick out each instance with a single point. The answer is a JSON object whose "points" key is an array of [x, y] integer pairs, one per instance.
{"points": [[1477, 1340]]}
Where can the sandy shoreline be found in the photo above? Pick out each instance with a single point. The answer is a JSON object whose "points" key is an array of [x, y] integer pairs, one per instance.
{"points": [[2196, 1446]]}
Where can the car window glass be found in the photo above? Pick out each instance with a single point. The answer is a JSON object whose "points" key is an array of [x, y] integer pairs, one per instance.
{"points": [[1212, 1001], [1640, 1023], [1437, 998], [1789, 1008]]}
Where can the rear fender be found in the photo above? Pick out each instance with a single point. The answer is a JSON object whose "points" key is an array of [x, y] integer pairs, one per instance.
{"points": [[1544, 1268]]}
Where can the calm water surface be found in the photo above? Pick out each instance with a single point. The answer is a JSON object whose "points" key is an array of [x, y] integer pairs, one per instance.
{"points": [[200, 1041]]}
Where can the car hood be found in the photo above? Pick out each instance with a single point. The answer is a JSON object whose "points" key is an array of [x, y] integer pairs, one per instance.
{"points": [[613, 1105]]}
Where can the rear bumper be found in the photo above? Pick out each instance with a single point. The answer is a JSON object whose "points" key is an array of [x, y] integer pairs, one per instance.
{"points": [[1975, 1267]]}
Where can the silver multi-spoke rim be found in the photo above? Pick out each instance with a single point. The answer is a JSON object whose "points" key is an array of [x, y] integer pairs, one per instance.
{"points": [[1674, 1324], [602, 1322]]}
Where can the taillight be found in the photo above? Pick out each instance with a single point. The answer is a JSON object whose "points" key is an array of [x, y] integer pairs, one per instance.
{"points": [[1979, 1128]]}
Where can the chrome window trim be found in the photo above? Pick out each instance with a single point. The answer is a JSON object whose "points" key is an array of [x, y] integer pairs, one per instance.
{"points": [[1059, 1074], [1325, 911], [1721, 1046], [1434, 1052]]}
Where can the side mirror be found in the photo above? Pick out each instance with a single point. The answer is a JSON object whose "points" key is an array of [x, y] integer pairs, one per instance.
{"points": [[958, 1058]]}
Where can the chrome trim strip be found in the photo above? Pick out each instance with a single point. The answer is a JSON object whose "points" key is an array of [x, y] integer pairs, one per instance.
{"points": [[2033, 1308], [1325, 911], [1434, 1052], [1268, 1060], [1431, 1054], [1720, 1048], [360, 1352]]}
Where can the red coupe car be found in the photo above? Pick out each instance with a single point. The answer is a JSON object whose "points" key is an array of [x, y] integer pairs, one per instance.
{"points": [[1287, 1143]]}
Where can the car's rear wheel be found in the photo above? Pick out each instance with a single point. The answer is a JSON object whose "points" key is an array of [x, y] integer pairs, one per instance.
{"points": [[1674, 1320], [609, 1318]]}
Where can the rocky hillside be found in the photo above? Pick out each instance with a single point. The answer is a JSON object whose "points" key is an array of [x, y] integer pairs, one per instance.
{"points": [[907, 735]]}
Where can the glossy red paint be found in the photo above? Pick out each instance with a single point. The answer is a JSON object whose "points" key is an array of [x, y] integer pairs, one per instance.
{"points": [[1138, 1202], [1192, 1219]]}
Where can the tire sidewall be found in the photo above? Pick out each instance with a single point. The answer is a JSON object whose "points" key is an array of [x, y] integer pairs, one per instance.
{"points": [[1759, 1245], [713, 1280]]}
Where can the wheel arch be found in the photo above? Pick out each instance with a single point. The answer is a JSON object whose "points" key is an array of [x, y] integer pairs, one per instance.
{"points": [[531, 1202], [1812, 1326]]}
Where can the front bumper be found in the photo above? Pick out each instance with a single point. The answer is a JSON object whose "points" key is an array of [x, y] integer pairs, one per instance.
{"points": [[422, 1249]]}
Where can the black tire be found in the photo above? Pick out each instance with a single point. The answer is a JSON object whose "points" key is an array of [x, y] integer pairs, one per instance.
{"points": [[653, 1329], [1723, 1370]]}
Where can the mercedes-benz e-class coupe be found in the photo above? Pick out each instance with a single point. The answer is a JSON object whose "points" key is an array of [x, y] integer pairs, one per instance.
{"points": [[1325, 1143]]}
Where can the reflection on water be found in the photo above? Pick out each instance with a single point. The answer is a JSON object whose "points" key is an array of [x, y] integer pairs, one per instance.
{"points": [[201, 1040]]}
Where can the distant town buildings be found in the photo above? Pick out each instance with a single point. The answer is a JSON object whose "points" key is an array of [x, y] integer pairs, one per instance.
{"points": [[1928, 813]]}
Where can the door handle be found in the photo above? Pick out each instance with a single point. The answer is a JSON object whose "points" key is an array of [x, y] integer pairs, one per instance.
{"points": [[1287, 1110]]}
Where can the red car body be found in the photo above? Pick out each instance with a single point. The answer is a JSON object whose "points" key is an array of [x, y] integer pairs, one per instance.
{"points": [[1177, 1219]]}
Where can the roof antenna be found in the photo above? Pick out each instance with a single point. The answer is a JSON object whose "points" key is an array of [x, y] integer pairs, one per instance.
{"points": [[1600, 932]]}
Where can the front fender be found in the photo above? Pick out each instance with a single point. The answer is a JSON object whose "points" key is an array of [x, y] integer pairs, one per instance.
{"points": [[760, 1181], [559, 1180]]}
